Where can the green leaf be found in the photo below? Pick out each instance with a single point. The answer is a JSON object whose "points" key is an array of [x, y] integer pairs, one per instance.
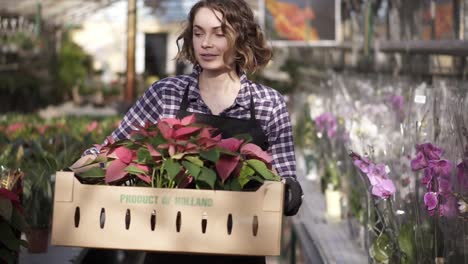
{"points": [[208, 176], [262, 169], [381, 249], [211, 155], [134, 170], [95, 172], [192, 168], [8, 238], [143, 155], [406, 240], [227, 152], [195, 160], [172, 167], [17, 220], [157, 140], [7, 256], [245, 174], [178, 156], [233, 185], [6, 208]]}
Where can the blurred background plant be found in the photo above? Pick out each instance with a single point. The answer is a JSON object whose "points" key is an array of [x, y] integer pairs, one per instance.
{"points": [[41, 147]]}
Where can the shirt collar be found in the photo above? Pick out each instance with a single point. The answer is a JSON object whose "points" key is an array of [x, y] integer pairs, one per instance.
{"points": [[242, 99]]}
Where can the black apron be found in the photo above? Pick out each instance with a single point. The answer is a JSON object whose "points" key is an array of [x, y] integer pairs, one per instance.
{"points": [[228, 127]]}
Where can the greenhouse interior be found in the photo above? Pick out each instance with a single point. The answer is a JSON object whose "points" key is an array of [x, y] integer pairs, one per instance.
{"points": [[376, 93]]}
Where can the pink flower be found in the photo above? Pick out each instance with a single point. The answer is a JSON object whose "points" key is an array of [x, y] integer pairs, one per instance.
{"points": [[384, 189], [462, 174], [327, 121], [442, 168], [91, 127], [376, 173], [448, 206], [430, 151], [427, 178], [445, 186], [430, 200], [419, 162], [362, 163], [42, 129], [15, 127]]}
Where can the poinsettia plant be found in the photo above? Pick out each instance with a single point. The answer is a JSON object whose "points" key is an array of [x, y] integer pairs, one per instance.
{"points": [[178, 153], [12, 221]]}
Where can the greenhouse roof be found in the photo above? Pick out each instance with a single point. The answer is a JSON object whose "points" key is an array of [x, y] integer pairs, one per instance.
{"points": [[53, 11]]}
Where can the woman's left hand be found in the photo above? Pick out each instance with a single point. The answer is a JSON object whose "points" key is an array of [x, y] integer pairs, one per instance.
{"points": [[293, 196]]}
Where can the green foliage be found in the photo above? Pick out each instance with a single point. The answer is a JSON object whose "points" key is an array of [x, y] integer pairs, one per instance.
{"points": [[73, 64], [40, 148]]}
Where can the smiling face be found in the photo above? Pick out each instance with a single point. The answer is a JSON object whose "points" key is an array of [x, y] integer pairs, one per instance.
{"points": [[209, 41]]}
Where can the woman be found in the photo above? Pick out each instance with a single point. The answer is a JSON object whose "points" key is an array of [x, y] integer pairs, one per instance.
{"points": [[223, 41]]}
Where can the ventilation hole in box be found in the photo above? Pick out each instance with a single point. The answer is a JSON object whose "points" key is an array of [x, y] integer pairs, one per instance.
{"points": [[153, 220], [229, 224], [204, 222], [127, 219], [178, 221], [255, 225], [102, 218], [77, 216]]}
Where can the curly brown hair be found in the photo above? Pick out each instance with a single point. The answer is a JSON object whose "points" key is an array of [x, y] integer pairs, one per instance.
{"points": [[247, 41]]}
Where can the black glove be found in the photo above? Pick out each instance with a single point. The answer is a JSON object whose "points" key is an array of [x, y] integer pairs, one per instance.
{"points": [[292, 196]]}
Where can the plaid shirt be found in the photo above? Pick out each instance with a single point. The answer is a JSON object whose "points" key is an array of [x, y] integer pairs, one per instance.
{"points": [[163, 98]]}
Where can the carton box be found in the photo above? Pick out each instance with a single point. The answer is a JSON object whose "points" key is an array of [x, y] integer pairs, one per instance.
{"points": [[171, 220]]}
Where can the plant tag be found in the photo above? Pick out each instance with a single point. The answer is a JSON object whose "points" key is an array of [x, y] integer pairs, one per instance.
{"points": [[387, 169], [420, 99], [420, 94]]}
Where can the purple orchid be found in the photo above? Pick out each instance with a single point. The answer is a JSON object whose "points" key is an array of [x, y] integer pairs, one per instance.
{"points": [[442, 168], [382, 187], [419, 162], [436, 170], [427, 178], [376, 173], [430, 200], [327, 121], [430, 151], [462, 174], [448, 206]]}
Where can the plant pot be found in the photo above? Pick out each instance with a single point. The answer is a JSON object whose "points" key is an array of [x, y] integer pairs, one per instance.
{"points": [[38, 240], [333, 204]]}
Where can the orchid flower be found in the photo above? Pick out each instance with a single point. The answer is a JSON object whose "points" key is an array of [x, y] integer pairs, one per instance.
{"points": [[382, 186]]}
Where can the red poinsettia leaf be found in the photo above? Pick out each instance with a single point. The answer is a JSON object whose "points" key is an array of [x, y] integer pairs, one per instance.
{"points": [[170, 121], [153, 152], [124, 154], [205, 133], [190, 147], [115, 171], [226, 165], [166, 130], [255, 151], [143, 177], [9, 195], [231, 144], [185, 131], [164, 146], [188, 120]]}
